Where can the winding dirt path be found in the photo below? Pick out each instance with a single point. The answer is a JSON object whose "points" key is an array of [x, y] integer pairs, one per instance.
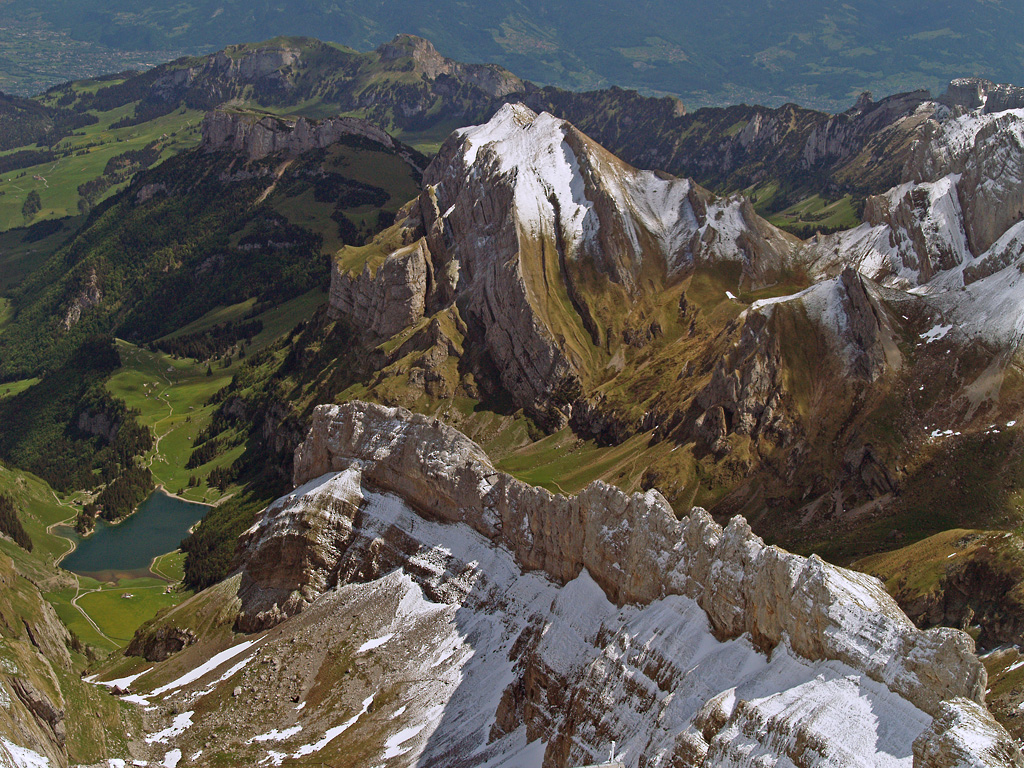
{"points": [[74, 601]]}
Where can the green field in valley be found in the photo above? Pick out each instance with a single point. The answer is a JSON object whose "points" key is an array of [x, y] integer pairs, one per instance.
{"points": [[86, 156]]}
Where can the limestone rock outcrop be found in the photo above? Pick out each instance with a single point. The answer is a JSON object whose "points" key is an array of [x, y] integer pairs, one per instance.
{"points": [[388, 300], [160, 644], [533, 230], [256, 136], [88, 297], [361, 464], [970, 93]]}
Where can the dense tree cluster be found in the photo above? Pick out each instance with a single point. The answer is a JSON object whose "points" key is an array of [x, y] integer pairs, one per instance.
{"points": [[25, 121], [213, 342], [26, 158], [125, 492], [10, 523], [32, 205], [49, 429], [131, 161], [203, 453]]}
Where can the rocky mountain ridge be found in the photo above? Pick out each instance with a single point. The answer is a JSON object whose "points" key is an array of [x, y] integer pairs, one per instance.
{"points": [[549, 202], [891, 303], [256, 136], [534, 629]]}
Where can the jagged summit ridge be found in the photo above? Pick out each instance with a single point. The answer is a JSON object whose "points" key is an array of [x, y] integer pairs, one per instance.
{"points": [[566, 184], [635, 552], [550, 247]]}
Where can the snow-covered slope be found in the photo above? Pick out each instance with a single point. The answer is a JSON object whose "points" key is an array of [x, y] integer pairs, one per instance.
{"points": [[412, 606], [952, 231], [604, 210]]}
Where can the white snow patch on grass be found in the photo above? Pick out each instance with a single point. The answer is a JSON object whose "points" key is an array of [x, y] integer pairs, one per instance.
{"points": [[276, 735], [121, 682], [22, 756], [393, 746], [333, 733], [172, 758]]}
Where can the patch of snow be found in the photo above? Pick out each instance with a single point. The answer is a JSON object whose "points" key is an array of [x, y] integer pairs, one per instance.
{"points": [[333, 733], [206, 668], [393, 746], [22, 756], [121, 682], [136, 699], [936, 333], [171, 759], [181, 724], [369, 645], [730, 295], [276, 735]]}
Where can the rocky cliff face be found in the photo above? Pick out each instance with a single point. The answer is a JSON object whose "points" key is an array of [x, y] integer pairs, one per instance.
{"points": [[533, 230], [971, 93], [257, 136], [959, 197], [405, 83], [576, 676], [952, 229], [219, 77]]}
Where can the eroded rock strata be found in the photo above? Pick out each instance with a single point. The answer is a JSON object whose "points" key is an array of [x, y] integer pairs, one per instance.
{"points": [[616, 650]]}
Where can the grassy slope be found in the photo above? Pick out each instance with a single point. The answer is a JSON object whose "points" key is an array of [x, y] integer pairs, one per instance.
{"points": [[88, 738], [58, 182]]}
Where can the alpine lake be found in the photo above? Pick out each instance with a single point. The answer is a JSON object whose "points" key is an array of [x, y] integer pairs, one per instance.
{"points": [[127, 549]]}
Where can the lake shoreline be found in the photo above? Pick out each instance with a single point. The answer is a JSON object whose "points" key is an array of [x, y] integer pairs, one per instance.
{"points": [[164, 491], [154, 529]]}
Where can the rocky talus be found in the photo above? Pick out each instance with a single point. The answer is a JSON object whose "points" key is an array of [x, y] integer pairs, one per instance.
{"points": [[842, 637]]}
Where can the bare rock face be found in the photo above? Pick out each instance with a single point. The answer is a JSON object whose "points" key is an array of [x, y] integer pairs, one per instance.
{"points": [[43, 710], [362, 465], [745, 391], [89, 296], [388, 300], [959, 198], [530, 227], [257, 136], [970, 93], [161, 644], [218, 77]]}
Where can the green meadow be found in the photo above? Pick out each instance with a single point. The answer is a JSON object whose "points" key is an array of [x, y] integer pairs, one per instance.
{"points": [[85, 155]]}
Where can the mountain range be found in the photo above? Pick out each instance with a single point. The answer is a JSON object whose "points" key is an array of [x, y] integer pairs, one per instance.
{"points": [[496, 373], [817, 54]]}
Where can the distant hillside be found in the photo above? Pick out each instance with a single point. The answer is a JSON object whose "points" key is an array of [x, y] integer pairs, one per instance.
{"points": [[809, 169], [820, 54]]}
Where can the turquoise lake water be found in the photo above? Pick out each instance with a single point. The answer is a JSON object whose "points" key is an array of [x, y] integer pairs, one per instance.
{"points": [[157, 527]]}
